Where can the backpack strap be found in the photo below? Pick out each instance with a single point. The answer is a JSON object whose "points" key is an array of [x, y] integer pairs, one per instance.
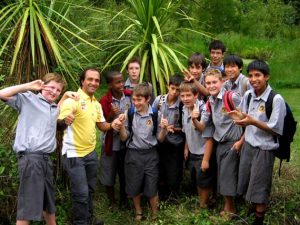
{"points": [[130, 116], [180, 113], [208, 106], [269, 103], [244, 85], [227, 101], [154, 116]]}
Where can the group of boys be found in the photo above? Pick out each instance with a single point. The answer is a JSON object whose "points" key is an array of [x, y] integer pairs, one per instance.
{"points": [[145, 144]]}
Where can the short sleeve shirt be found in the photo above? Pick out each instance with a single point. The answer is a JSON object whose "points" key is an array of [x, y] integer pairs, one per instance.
{"points": [[123, 104], [237, 85], [225, 129], [80, 138], [171, 113], [257, 109], [36, 128], [194, 138], [142, 128]]}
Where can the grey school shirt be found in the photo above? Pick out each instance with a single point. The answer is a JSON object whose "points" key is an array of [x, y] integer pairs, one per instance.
{"points": [[171, 113], [237, 85], [142, 128], [36, 127], [225, 129], [123, 104], [257, 109], [194, 138]]}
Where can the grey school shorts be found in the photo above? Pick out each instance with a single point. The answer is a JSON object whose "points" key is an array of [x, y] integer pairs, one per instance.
{"points": [[228, 165], [255, 174], [36, 190], [203, 179], [141, 172], [109, 167]]}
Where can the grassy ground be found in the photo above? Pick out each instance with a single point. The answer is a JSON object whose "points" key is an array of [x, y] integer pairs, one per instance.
{"points": [[284, 205]]}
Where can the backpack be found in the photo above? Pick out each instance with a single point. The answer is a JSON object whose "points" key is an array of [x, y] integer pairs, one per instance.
{"points": [[154, 116], [289, 129], [227, 101]]}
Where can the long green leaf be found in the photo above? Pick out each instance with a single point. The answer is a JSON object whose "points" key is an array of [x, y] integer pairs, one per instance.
{"points": [[19, 40]]}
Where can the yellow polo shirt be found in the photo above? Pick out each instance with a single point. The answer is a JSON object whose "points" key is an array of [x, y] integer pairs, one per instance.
{"points": [[80, 138]]}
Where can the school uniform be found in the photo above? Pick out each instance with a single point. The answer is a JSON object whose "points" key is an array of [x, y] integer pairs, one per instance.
{"points": [[196, 143], [34, 141], [226, 134], [141, 159], [171, 150], [257, 158], [240, 85], [112, 162], [221, 68]]}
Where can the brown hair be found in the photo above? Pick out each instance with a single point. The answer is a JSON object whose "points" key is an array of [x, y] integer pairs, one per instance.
{"points": [[213, 72], [54, 77], [188, 86], [143, 90]]}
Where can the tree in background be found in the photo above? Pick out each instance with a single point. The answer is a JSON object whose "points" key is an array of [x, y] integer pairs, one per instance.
{"points": [[36, 37], [151, 28]]}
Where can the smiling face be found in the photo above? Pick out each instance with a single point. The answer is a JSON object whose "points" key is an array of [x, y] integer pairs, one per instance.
{"points": [[140, 103], [133, 71], [52, 91], [258, 81], [117, 84], [91, 82], [232, 72], [213, 85]]}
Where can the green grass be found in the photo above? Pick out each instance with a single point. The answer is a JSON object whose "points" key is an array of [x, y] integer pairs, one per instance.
{"points": [[284, 202]]}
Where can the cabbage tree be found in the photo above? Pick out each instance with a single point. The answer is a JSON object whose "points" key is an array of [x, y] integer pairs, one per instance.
{"points": [[37, 36], [151, 28]]}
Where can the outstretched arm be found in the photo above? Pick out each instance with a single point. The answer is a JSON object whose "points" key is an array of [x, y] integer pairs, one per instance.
{"points": [[7, 93]]}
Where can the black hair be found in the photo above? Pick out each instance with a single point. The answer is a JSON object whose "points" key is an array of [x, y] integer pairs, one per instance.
{"points": [[217, 44], [109, 76], [233, 60], [259, 65], [176, 79], [83, 74], [197, 59]]}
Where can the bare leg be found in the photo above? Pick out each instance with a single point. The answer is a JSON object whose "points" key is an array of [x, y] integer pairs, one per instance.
{"points": [[22, 222], [203, 194], [49, 218], [137, 207], [154, 206], [229, 204]]}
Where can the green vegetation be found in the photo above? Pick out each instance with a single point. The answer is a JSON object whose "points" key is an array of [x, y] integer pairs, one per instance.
{"points": [[65, 36]]}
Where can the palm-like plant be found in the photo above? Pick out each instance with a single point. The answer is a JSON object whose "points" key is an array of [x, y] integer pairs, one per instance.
{"points": [[149, 33], [37, 36]]}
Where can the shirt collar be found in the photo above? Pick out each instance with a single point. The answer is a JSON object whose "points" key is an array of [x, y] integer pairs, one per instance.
{"points": [[84, 96], [264, 96], [40, 96]]}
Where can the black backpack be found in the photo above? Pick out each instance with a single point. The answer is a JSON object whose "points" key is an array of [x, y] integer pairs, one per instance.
{"points": [[289, 128]]}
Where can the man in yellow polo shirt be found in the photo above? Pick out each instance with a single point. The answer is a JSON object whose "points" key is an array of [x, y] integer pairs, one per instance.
{"points": [[80, 118]]}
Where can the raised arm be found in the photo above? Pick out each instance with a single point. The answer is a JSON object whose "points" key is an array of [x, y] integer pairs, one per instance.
{"points": [[7, 93]]}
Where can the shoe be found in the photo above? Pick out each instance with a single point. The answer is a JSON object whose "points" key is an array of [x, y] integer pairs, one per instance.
{"points": [[96, 221]]}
